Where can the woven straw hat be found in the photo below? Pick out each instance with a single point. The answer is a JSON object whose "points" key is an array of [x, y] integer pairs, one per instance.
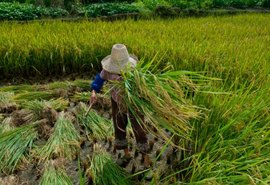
{"points": [[119, 60]]}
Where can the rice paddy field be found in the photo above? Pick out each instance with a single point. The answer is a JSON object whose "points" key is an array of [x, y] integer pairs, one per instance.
{"points": [[218, 68]]}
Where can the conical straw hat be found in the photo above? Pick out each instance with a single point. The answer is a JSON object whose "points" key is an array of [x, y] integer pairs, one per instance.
{"points": [[119, 60]]}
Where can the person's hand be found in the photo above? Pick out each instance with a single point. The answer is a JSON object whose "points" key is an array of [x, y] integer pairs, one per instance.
{"points": [[93, 98]]}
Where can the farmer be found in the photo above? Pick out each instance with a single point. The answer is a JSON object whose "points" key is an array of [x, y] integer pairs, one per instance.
{"points": [[113, 65]]}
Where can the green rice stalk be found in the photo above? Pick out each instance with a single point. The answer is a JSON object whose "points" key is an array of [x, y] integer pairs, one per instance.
{"points": [[64, 141], [15, 145], [161, 97], [96, 126], [53, 175], [105, 171]]}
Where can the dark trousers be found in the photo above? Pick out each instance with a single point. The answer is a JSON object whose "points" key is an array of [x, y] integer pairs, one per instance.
{"points": [[120, 121]]}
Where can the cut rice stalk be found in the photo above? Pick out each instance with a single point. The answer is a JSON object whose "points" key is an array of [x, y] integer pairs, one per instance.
{"points": [[105, 171], [54, 174], [15, 145], [64, 141], [161, 98], [96, 126]]}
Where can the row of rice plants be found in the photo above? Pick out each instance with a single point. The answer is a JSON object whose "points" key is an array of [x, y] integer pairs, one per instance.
{"points": [[234, 47]]}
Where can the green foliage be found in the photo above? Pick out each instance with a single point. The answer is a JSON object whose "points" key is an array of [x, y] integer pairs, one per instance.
{"points": [[16, 11], [108, 9]]}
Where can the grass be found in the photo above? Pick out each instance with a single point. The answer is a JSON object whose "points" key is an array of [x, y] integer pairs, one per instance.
{"points": [[15, 145], [63, 143], [105, 171]]}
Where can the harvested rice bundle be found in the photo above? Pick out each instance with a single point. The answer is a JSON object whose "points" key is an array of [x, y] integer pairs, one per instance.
{"points": [[18, 88], [15, 145], [7, 103], [103, 99], [6, 125], [64, 141], [81, 96], [83, 84], [105, 171], [59, 104], [96, 126], [22, 116], [33, 95], [160, 96], [1, 117], [57, 85], [37, 106], [55, 174]]}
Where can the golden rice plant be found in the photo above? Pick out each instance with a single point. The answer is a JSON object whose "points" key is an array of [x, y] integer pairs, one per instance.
{"points": [[15, 145], [226, 47], [64, 141], [55, 174], [105, 171]]}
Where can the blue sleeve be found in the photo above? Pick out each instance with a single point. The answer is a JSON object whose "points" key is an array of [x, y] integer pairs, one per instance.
{"points": [[97, 83]]}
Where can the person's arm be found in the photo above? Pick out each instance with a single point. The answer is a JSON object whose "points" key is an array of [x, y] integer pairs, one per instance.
{"points": [[97, 84]]}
